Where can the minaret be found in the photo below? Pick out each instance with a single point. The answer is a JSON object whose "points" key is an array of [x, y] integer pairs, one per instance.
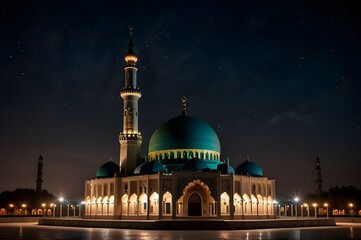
{"points": [[318, 178], [39, 180], [130, 139]]}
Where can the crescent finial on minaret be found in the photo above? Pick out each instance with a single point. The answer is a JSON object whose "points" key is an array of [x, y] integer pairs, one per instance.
{"points": [[184, 105], [130, 31]]}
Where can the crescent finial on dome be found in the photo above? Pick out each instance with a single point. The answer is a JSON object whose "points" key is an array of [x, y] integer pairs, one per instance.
{"points": [[184, 105]]}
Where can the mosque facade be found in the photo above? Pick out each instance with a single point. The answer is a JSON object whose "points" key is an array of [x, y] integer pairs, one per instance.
{"points": [[182, 176]]}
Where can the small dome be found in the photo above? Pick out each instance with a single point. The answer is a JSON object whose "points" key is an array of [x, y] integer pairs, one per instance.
{"points": [[225, 168], [150, 168], [107, 170], [249, 168], [195, 165], [184, 132]]}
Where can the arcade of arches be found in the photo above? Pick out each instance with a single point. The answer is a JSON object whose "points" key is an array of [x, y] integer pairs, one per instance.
{"points": [[155, 197]]}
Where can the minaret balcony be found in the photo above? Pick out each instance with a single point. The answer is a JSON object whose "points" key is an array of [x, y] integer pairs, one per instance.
{"points": [[128, 136], [130, 90]]}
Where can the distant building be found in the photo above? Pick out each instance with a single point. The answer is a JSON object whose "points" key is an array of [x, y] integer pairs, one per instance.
{"points": [[182, 176]]}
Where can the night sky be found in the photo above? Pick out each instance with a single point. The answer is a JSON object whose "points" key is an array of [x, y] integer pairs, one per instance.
{"points": [[277, 80]]}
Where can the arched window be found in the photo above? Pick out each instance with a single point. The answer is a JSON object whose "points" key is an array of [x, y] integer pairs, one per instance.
{"points": [[196, 155], [172, 155], [190, 154], [166, 156], [207, 155], [210, 156], [178, 154], [184, 154]]}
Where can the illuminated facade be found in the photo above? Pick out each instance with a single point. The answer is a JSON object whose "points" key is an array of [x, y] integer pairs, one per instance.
{"points": [[181, 177]]}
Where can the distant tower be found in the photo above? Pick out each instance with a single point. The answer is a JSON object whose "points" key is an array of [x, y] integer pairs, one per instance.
{"points": [[39, 179], [318, 178], [130, 139]]}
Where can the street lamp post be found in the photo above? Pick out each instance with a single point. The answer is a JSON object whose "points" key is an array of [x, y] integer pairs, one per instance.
{"points": [[61, 207], [43, 205], [53, 205], [351, 206], [25, 210], [308, 210], [326, 205], [275, 207], [12, 206], [296, 201], [82, 203], [315, 205], [279, 210]]}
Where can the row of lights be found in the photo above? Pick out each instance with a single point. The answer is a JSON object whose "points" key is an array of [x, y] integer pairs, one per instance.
{"points": [[43, 205]]}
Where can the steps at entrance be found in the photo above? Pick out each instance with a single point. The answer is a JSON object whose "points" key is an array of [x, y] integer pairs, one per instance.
{"points": [[191, 224]]}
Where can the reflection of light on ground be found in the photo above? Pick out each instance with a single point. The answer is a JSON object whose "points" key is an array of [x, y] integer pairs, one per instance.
{"points": [[351, 233], [34, 231]]}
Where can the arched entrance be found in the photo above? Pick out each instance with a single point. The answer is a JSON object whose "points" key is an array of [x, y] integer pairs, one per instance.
{"points": [[194, 205]]}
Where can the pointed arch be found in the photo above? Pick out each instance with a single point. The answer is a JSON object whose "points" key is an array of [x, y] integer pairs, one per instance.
{"points": [[269, 206], [224, 203], [133, 204], [125, 199], [237, 204], [195, 204], [143, 204], [167, 203], [154, 203], [99, 206], [111, 205], [87, 205], [253, 205], [247, 204], [260, 205]]}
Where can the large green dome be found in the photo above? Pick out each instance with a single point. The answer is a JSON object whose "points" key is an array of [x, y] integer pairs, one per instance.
{"points": [[184, 132]]}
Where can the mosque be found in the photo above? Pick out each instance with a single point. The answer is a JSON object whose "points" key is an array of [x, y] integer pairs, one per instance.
{"points": [[182, 175]]}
